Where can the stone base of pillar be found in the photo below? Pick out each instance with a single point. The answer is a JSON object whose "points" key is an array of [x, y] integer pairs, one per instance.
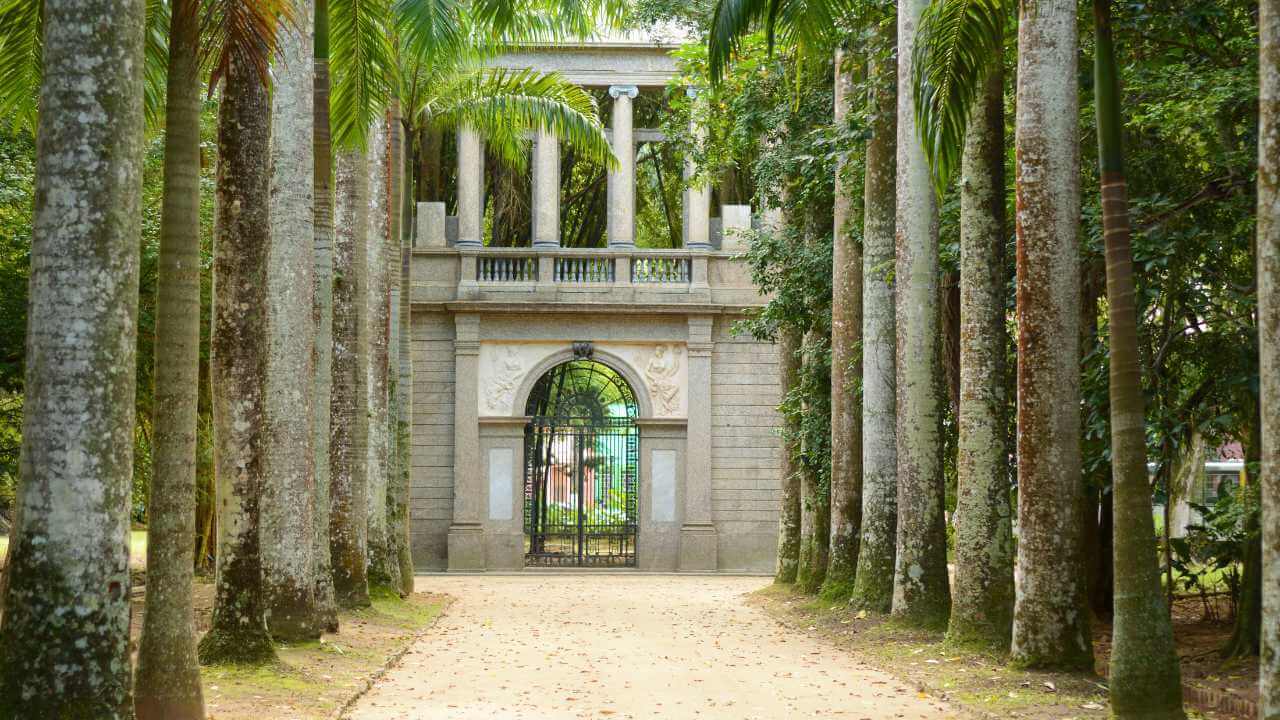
{"points": [[466, 547], [698, 548]]}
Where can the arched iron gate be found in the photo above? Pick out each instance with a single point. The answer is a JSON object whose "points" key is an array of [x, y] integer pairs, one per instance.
{"points": [[581, 468]]}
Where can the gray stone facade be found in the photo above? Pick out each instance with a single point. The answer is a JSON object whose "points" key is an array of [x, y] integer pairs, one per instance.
{"points": [[489, 322]]}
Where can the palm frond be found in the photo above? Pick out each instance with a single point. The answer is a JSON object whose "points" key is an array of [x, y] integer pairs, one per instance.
{"points": [[730, 22], [504, 105], [811, 26], [957, 42], [364, 68], [430, 29], [155, 63], [20, 61], [243, 31]]}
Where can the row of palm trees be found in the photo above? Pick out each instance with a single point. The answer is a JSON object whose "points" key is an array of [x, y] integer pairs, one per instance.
{"points": [[887, 541], [310, 376]]}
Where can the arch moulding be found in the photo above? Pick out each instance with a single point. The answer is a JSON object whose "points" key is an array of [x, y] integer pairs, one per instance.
{"points": [[614, 361]]}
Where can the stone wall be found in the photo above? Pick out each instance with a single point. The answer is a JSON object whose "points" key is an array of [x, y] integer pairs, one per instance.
{"points": [[746, 451], [431, 504]]}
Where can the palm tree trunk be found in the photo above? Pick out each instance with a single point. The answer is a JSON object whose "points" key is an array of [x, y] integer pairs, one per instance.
{"points": [[873, 582], [1145, 678], [789, 517], [982, 608], [921, 591], [1051, 613], [349, 404], [238, 632], [381, 565], [288, 502], [322, 315], [815, 504], [1269, 346], [167, 684], [846, 372], [398, 528], [64, 636]]}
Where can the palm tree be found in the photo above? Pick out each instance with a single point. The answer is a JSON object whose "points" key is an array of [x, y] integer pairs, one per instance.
{"points": [[873, 583], [921, 592], [1051, 613], [398, 488], [1269, 343], [789, 518], [288, 505], [238, 632], [167, 683], [846, 371], [64, 635], [982, 606], [1144, 664]]}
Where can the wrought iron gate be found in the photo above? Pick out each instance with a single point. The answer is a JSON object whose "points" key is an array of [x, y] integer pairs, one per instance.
{"points": [[581, 469]]}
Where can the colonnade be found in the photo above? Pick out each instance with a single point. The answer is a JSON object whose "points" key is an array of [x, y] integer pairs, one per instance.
{"points": [[546, 185]]}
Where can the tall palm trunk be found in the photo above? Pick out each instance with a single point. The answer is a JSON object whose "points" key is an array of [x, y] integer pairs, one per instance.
{"points": [[1145, 680], [288, 503], [322, 316], [398, 530], [381, 565], [239, 632], [815, 505], [789, 517], [167, 684], [921, 591], [349, 430], [1269, 345], [1051, 612], [873, 583], [982, 609], [64, 636], [846, 372]]}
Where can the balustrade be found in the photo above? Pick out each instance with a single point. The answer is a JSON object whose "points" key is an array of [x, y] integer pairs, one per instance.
{"points": [[660, 269], [520, 268]]}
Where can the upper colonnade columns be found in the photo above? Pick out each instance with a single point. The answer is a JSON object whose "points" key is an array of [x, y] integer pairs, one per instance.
{"points": [[470, 188], [697, 198], [546, 190], [622, 181]]}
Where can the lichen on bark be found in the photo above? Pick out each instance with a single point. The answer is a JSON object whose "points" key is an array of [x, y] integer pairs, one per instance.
{"points": [[921, 590], [64, 636], [288, 508], [1051, 612], [982, 601], [846, 369], [238, 631], [873, 582]]}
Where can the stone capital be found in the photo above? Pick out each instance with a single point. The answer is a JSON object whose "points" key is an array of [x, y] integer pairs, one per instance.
{"points": [[616, 91]]}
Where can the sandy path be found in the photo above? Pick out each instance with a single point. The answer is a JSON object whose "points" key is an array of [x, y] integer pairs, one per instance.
{"points": [[617, 646]]}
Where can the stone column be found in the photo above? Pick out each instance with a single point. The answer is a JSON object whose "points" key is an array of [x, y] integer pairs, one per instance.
{"points": [[466, 533], [546, 190], [698, 548], [697, 199], [622, 182], [470, 189]]}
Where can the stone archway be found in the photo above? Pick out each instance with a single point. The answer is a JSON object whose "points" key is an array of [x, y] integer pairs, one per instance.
{"points": [[581, 479]]}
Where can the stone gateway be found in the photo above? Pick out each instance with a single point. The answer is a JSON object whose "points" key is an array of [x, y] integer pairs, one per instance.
{"points": [[658, 448]]}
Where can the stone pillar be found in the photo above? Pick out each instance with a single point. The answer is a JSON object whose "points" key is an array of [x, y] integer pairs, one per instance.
{"points": [[622, 182], [431, 232], [466, 532], [546, 190], [697, 199], [698, 547], [470, 189]]}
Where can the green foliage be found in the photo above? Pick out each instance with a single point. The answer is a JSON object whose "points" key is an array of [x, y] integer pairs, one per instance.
{"points": [[1210, 558]]}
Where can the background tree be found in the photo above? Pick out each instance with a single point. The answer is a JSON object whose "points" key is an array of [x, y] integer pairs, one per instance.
{"points": [[921, 590], [289, 481], [1269, 343], [167, 683], [70, 543], [789, 517], [1051, 618]]}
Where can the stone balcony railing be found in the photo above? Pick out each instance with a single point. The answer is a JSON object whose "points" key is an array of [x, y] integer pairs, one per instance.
{"points": [[559, 276]]}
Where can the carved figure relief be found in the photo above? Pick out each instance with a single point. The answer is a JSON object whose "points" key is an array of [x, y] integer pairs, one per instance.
{"points": [[660, 373], [507, 371]]}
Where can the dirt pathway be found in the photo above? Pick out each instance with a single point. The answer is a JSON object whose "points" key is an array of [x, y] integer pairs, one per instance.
{"points": [[546, 647]]}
